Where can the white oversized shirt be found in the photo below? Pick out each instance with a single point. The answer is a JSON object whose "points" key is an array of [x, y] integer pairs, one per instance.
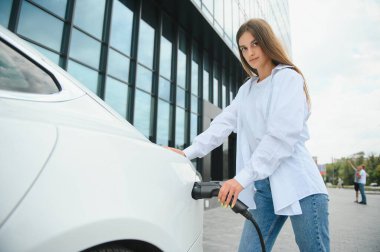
{"points": [[269, 118]]}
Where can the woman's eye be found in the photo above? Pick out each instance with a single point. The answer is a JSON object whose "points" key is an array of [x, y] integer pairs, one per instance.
{"points": [[243, 49], [254, 43]]}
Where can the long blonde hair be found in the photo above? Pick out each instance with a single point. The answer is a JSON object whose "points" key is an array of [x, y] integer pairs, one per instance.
{"points": [[270, 45]]}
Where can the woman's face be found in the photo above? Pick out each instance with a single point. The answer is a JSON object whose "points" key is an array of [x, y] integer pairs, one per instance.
{"points": [[252, 52]]}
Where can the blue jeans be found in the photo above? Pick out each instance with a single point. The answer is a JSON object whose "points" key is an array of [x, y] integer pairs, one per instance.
{"points": [[362, 192], [311, 228]]}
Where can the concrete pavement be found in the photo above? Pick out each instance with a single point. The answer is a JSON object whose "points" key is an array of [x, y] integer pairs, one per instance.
{"points": [[353, 227]]}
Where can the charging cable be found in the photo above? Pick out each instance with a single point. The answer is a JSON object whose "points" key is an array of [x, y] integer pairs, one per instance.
{"points": [[206, 190]]}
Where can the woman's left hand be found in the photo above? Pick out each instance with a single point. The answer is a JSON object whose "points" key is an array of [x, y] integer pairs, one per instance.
{"points": [[229, 188]]}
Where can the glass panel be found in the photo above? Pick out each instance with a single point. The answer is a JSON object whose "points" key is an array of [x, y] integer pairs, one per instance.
{"points": [[180, 97], [85, 75], [163, 120], [215, 89], [205, 85], [40, 26], [194, 78], [116, 95], [118, 65], [121, 28], [142, 112], [209, 4], [194, 104], [5, 12], [164, 89], [84, 49], [223, 96], [165, 58], [49, 54], [194, 126], [21, 75], [219, 12], [180, 128], [144, 78], [89, 15], [56, 6], [146, 44], [228, 18], [181, 69]]}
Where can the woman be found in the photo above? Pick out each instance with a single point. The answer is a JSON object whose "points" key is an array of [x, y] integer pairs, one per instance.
{"points": [[275, 174]]}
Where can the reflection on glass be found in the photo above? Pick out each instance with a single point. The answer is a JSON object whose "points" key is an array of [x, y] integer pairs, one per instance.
{"points": [[121, 27], [144, 78], [164, 89], [223, 96], [180, 128], [40, 26], [193, 126], [84, 49], [194, 78], [90, 20], [165, 57], [49, 54], [142, 112], [163, 111], [215, 89], [5, 11], [85, 75], [56, 6], [228, 18], [180, 97], [118, 65], [194, 104], [205, 85], [146, 44], [181, 69], [116, 95]]}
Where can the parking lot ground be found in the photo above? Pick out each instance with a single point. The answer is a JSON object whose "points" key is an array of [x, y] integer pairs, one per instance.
{"points": [[353, 227]]}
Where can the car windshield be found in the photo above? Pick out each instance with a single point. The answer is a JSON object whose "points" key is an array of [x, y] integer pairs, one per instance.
{"points": [[19, 74]]}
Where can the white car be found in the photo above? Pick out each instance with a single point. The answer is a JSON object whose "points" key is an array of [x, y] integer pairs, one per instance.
{"points": [[76, 176]]}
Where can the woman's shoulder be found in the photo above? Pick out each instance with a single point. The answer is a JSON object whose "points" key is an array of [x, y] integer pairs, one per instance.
{"points": [[284, 71], [287, 75]]}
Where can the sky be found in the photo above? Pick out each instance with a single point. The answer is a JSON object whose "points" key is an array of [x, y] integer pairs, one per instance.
{"points": [[336, 44]]}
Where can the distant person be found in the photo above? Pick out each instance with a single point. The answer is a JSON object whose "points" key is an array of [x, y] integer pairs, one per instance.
{"points": [[275, 174], [356, 184], [362, 177], [340, 182]]}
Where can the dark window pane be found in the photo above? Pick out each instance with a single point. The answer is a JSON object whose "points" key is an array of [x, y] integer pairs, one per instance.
{"points": [[164, 89], [89, 15], [5, 11], [85, 49], [165, 58], [205, 85], [144, 78], [116, 95], [223, 96], [180, 97], [85, 75], [194, 78], [56, 6], [121, 28], [19, 74], [193, 126], [194, 104], [142, 112], [180, 128], [163, 111], [181, 69], [40, 26], [118, 65], [146, 44]]}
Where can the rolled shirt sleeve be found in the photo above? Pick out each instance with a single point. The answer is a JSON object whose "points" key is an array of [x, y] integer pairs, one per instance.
{"points": [[285, 123]]}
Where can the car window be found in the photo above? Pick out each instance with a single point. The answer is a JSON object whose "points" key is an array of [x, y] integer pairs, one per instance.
{"points": [[17, 73]]}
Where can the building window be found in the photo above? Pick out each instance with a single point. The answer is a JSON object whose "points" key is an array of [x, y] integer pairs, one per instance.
{"points": [[142, 112], [5, 12], [90, 20], [85, 75], [116, 95], [163, 118]]}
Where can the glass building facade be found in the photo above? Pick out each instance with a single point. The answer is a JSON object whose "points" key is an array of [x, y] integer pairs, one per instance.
{"points": [[166, 66]]}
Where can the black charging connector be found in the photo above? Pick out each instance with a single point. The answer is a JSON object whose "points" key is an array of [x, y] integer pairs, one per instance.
{"points": [[206, 190]]}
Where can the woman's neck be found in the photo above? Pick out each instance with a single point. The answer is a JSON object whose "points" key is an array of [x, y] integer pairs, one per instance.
{"points": [[265, 71]]}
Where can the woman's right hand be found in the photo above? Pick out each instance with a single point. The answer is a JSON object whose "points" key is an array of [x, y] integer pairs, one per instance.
{"points": [[176, 151]]}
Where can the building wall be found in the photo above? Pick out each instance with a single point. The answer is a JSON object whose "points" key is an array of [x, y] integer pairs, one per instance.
{"points": [[156, 62]]}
